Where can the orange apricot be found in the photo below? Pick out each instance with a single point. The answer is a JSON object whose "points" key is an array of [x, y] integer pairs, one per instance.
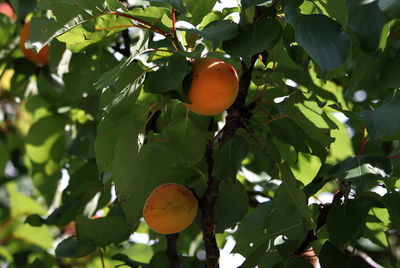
{"points": [[6, 9], [214, 87], [41, 58], [170, 208]]}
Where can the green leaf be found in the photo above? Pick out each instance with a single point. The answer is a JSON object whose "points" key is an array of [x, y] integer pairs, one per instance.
{"points": [[198, 9], [359, 167], [391, 201], [22, 205], [215, 31], [390, 7], [101, 232], [126, 72], [69, 15], [331, 257], [345, 222], [123, 116], [137, 174], [257, 37], [172, 76], [321, 37], [38, 236], [187, 138], [69, 248], [249, 3], [296, 196], [390, 75], [383, 123], [337, 9], [178, 4], [309, 120], [228, 158], [251, 229], [43, 138], [367, 21], [232, 204]]}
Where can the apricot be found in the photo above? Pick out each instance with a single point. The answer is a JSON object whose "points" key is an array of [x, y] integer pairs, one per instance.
{"points": [[7, 10], [170, 208], [214, 87], [41, 58]]}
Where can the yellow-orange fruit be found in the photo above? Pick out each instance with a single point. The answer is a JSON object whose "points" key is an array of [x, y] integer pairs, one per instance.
{"points": [[214, 87], [41, 58], [170, 208], [6, 9]]}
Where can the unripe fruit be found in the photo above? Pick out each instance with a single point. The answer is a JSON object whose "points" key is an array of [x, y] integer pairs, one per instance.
{"points": [[214, 87], [41, 58], [170, 208], [6, 9]]}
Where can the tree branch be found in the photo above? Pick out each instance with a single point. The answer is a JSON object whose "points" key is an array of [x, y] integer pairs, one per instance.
{"points": [[172, 250], [237, 113], [321, 220], [207, 204]]}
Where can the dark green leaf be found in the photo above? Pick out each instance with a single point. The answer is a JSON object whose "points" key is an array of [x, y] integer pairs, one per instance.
{"points": [[220, 30], [331, 257], [69, 248], [228, 157], [101, 232], [367, 21], [392, 201], [231, 206], [321, 37], [187, 137], [337, 9], [260, 36], [384, 123], [345, 222]]}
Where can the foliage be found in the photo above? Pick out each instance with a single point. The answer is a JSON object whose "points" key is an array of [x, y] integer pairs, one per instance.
{"points": [[84, 140]]}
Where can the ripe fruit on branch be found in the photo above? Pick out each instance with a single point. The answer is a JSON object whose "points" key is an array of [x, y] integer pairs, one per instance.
{"points": [[41, 58], [6, 9], [214, 87], [170, 208]]}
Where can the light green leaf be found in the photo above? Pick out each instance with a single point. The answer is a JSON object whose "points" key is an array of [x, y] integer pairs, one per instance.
{"points": [[198, 9], [39, 236], [22, 205], [43, 138]]}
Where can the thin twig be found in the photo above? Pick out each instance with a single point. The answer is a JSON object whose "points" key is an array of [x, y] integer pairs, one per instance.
{"points": [[155, 28], [101, 257]]}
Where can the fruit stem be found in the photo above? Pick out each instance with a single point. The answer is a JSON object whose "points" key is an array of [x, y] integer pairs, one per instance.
{"points": [[172, 250], [101, 257], [364, 141]]}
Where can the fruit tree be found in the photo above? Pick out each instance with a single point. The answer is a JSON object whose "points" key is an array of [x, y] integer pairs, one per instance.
{"points": [[199, 133]]}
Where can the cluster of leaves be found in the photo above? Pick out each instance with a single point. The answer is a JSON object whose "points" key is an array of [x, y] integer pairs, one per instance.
{"points": [[106, 117]]}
